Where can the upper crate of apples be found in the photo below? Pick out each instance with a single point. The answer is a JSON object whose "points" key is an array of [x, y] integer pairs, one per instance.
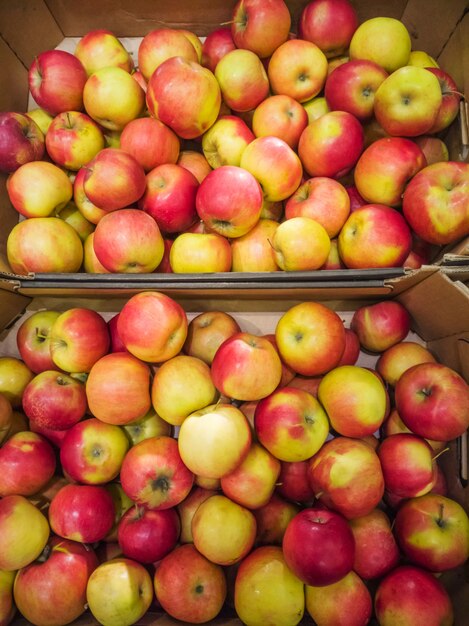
{"points": [[257, 150]]}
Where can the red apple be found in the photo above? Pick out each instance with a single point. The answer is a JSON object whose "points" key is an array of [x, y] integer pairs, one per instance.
{"points": [[374, 235], [116, 341], [217, 43], [147, 536], [91, 264], [189, 587], [73, 139], [150, 142], [331, 145], [56, 81], [246, 367], [281, 116], [293, 482], [83, 513], [414, 597], [33, 339], [434, 202], [352, 349], [318, 546], [433, 401], [433, 532], [101, 48], [160, 45], [224, 142], [21, 141], [195, 162], [380, 326], [170, 197], [376, 550], [260, 25], [52, 589], [118, 388], [346, 476], [154, 475], [229, 201], [272, 520], [397, 359], [128, 241], [54, 400], [329, 24], [243, 80]]}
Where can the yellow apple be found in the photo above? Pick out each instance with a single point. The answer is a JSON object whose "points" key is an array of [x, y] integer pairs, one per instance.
{"points": [[384, 40]]}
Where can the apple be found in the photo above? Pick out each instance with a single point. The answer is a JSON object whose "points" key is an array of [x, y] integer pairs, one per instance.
{"points": [[266, 586], [147, 536], [169, 197], [113, 179], [88, 209], [150, 425], [119, 587], [78, 338], [407, 102], [160, 45], [214, 441], [180, 386], [195, 162], [275, 165], [420, 58], [189, 587], [252, 483], [331, 145], [393, 425], [113, 98], [55, 436], [188, 507], [206, 332], [316, 107], [293, 483], [128, 241], [243, 80], [38, 189], [383, 40], [24, 532], [224, 142], [351, 351], [318, 546], [253, 251], [27, 463], [260, 26], [322, 199], [150, 142], [21, 141], [281, 116], [139, 334], [375, 235], [412, 596], [56, 81], [354, 399], [33, 339], [14, 377], [217, 43], [310, 338], [229, 201], [397, 359], [329, 24], [222, 530], [346, 476], [433, 532], [246, 367], [153, 474], [73, 216], [185, 96], [101, 48], [352, 87], [7, 606], [54, 400], [272, 520], [434, 205], [92, 452], [83, 513], [376, 550], [434, 148], [292, 244], [291, 424], [356, 201], [195, 253], [73, 139], [451, 97], [118, 388], [42, 118], [382, 325], [384, 169], [91, 264], [6, 418], [433, 401], [348, 602], [52, 589]]}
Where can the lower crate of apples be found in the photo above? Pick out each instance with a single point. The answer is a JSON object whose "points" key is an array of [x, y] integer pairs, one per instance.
{"points": [[258, 462]]}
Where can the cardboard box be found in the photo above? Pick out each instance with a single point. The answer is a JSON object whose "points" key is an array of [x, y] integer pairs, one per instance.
{"points": [[439, 307], [29, 27]]}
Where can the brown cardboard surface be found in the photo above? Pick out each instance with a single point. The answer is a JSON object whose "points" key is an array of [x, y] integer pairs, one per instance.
{"points": [[454, 57], [13, 79]]}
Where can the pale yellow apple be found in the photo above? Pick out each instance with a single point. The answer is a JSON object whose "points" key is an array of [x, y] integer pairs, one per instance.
{"points": [[222, 530], [42, 118], [384, 40], [7, 606], [200, 253], [300, 243], [253, 252], [187, 508], [420, 58], [150, 425], [316, 107]]}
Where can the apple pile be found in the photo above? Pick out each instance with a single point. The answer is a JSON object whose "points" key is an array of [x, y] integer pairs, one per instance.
{"points": [[255, 151], [149, 461]]}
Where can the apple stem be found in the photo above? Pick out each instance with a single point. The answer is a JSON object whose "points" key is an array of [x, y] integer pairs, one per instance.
{"points": [[227, 23], [439, 521], [44, 554], [318, 495], [440, 453]]}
